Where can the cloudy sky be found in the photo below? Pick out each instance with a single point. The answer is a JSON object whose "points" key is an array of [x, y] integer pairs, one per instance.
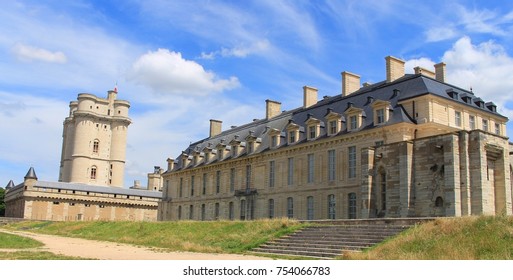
{"points": [[181, 63]]}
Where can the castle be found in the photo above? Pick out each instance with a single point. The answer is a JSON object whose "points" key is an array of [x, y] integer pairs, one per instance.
{"points": [[410, 146], [91, 171]]}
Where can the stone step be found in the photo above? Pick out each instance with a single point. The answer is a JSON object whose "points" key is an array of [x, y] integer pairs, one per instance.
{"points": [[335, 238], [302, 247], [314, 254], [322, 244]]}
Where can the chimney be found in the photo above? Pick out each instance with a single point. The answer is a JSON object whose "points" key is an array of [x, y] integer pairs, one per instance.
{"points": [[395, 68], [215, 127], [170, 164], [272, 108], [350, 83], [309, 96], [440, 72], [424, 72]]}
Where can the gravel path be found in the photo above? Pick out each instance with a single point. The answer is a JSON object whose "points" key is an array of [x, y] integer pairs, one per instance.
{"points": [[104, 250]]}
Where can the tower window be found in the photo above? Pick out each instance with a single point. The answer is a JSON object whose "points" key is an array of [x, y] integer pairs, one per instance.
{"points": [[93, 172], [96, 146]]}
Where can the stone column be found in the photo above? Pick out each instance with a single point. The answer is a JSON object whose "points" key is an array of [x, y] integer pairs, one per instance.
{"points": [[367, 173], [464, 173], [405, 182], [452, 176]]}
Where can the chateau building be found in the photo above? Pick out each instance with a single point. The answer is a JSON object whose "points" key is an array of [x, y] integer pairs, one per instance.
{"points": [[410, 146], [91, 171]]}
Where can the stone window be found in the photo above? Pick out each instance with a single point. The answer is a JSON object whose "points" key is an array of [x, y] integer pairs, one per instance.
{"points": [[192, 185], [485, 125], [93, 173], [292, 132], [216, 211], [352, 205], [271, 208], [290, 208], [248, 176], [353, 122], [380, 116], [203, 212], [181, 188], [497, 129], [472, 122], [204, 190], [439, 202], [191, 212], [331, 206], [96, 146], [230, 210], [290, 173], [310, 167], [292, 136], [218, 181], [312, 132], [333, 129], [232, 180], [310, 208], [457, 118], [179, 212], [272, 172], [351, 162], [381, 111], [243, 210], [274, 134], [331, 165]]}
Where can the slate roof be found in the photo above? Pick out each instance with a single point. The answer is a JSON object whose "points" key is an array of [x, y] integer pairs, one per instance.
{"points": [[97, 189], [406, 87]]}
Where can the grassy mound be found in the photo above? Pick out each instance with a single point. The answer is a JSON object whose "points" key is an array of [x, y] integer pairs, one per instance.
{"points": [[193, 236], [468, 238]]}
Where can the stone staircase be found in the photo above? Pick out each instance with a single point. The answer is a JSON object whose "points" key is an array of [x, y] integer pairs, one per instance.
{"points": [[329, 239]]}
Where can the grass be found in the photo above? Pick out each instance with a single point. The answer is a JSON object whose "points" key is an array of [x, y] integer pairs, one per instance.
{"points": [[193, 236], [11, 241], [468, 238], [34, 255]]}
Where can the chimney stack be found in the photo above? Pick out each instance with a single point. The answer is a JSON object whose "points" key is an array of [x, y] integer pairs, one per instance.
{"points": [[350, 83], [395, 68], [424, 72], [309, 96], [170, 164], [272, 108], [215, 127], [440, 72]]}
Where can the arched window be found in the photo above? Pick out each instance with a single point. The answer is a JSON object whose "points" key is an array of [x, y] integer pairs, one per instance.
{"points": [[439, 202], [93, 172], [96, 146]]}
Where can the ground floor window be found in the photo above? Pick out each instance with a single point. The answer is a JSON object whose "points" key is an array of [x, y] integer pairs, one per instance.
{"points": [[202, 212], [216, 211], [230, 210], [290, 208], [310, 208], [271, 208], [352, 205], [191, 212], [243, 210], [331, 206]]}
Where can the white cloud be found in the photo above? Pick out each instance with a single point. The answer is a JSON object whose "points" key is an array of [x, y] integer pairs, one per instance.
{"points": [[28, 53], [167, 72], [241, 51], [440, 34]]}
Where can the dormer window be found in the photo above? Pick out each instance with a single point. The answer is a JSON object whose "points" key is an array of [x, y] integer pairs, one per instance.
{"points": [[252, 142], [313, 126], [292, 132], [274, 134], [381, 111], [235, 150], [334, 121], [292, 136], [354, 116], [251, 147]]}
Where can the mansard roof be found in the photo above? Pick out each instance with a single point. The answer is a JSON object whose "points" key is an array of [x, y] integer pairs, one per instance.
{"points": [[97, 189], [407, 87]]}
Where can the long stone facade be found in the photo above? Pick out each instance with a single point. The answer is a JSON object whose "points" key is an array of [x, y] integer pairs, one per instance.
{"points": [[410, 146]]}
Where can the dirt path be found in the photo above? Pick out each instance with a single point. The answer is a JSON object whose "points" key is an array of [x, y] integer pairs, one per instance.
{"points": [[104, 250]]}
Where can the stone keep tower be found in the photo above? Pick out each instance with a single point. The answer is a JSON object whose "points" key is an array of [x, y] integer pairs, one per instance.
{"points": [[94, 140]]}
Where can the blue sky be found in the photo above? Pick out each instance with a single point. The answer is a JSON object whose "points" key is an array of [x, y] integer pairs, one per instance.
{"points": [[181, 63]]}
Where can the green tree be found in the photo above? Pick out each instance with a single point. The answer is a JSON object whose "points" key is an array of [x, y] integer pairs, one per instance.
{"points": [[2, 203]]}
